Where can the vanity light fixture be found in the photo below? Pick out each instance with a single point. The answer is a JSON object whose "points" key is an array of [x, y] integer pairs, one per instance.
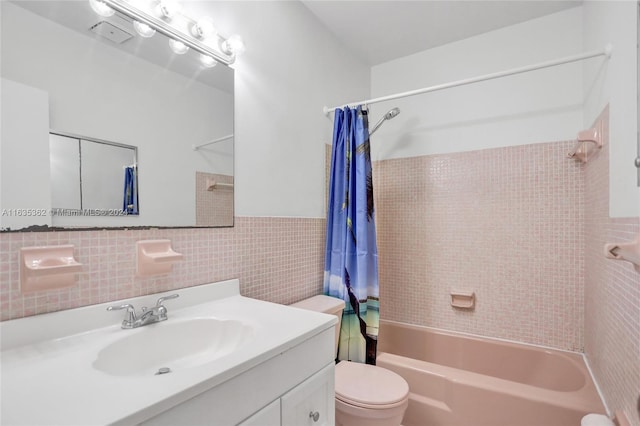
{"points": [[101, 8], [178, 47], [233, 45], [184, 32], [207, 61], [143, 30], [203, 28], [167, 9]]}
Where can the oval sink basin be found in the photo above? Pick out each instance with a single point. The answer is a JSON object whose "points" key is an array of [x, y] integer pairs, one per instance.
{"points": [[174, 345]]}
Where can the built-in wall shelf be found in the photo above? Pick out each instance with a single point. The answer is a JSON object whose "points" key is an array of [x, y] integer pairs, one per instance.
{"points": [[589, 141], [47, 268], [463, 300], [629, 252], [155, 257]]}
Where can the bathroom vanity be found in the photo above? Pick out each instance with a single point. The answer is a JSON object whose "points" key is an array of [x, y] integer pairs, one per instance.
{"points": [[231, 360]]}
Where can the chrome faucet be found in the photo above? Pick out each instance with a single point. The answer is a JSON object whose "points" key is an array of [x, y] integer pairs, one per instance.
{"points": [[149, 315]]}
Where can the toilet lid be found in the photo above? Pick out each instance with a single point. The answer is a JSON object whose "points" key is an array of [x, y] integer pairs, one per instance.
{"points": [[369, 386]]}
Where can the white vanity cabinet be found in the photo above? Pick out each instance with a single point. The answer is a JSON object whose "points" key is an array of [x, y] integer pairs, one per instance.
{"points": [[282, 373], [309, 403], [300, 380]]}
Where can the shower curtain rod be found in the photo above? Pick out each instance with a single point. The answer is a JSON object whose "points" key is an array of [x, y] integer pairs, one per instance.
{"points": [[574, 58], [224, 138]]}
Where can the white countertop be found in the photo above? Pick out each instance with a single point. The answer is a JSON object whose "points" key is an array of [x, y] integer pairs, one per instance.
{"points": [[46, 370]]}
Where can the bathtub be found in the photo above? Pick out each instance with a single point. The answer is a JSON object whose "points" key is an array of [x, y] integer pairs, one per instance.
{"points": [[462, 380]]}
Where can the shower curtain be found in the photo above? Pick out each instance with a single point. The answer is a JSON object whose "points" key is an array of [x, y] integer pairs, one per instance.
{"points": [[351, 260], [130, 199]]}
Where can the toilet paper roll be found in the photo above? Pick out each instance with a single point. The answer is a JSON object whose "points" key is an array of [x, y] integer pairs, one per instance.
{"points": [[596, 420]]}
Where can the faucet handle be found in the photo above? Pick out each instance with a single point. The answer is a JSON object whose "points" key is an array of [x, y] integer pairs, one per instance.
{"points": [[162, 299], [129, 307], [130, 315], [160, 309]]}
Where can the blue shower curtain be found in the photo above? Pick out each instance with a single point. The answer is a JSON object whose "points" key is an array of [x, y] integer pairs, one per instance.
{"points": [[351, 260], [130, 199]]}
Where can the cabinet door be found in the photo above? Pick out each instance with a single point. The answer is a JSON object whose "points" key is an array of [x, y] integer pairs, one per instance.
{"points": [[311, 403], [268, 416]]}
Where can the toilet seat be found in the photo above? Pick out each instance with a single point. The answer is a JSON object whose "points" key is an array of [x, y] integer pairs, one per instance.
{"points": [[368, 386]]}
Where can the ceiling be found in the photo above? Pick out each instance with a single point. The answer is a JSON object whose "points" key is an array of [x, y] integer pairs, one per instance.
{"points": [[378, 31]]}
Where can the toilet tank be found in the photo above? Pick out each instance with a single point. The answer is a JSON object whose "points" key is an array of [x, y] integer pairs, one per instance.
{"points": [[324, 304]]}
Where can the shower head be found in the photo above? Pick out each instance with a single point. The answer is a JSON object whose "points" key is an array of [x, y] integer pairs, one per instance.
{"points": [[388, 116]]}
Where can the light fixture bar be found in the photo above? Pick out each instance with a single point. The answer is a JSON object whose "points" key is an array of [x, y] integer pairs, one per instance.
{"points": [[162, 27]]}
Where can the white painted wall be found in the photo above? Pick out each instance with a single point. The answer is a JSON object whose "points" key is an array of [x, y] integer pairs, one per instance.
{"points": [[25, 197], [539, 106], [98, 91], [292, 67], [617, 85]]}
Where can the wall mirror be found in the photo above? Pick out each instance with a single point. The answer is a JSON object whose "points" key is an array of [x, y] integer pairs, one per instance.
{"points": [[68, 71]]}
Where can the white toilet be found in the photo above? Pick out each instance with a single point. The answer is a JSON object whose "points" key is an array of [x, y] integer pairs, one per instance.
{"points": [[366, 395]]}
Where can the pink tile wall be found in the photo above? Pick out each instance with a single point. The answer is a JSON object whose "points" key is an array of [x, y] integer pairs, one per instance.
{"points": [[215, 207], [276, 259], [612, 293], [505, 223]]}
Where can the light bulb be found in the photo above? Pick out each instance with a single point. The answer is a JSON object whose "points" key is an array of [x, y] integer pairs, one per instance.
{"points": [[233, 45], [207, 61], [178, 47], [101, 8], [203, 28], [168, 8], [143, 30]]}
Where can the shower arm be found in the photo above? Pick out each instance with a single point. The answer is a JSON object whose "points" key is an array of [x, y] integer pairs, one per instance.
{"points": [[377, 126]]}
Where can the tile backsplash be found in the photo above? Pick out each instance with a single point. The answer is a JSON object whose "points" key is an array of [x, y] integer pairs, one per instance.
{"points": [[276, 259]]}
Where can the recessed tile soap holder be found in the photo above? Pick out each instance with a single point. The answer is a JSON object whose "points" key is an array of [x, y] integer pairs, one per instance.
{"points": [[155, 257], [594, 136], [629, 252], [47, 268], [463, 300]]}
